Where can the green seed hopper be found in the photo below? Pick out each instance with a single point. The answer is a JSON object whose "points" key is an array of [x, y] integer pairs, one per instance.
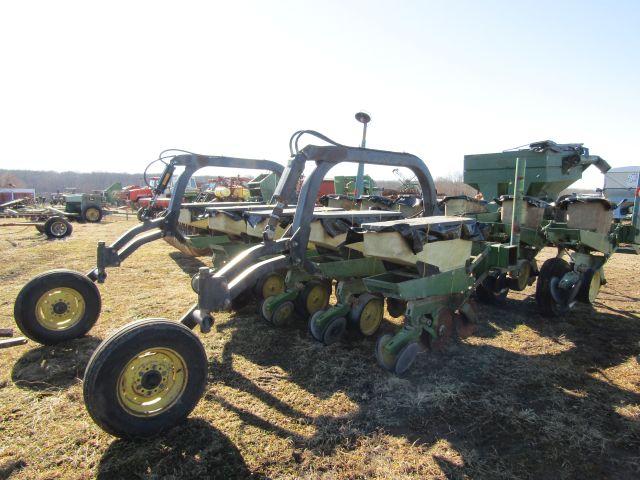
{"points": [[551, 168]]}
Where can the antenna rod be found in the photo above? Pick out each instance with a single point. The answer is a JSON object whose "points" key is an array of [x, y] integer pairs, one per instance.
{"points": [[363, 118]]}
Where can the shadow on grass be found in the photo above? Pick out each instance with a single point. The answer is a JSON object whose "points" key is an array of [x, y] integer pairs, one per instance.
{"points": [[192, 450], [54, 367], [187, 263], [526, 414]]}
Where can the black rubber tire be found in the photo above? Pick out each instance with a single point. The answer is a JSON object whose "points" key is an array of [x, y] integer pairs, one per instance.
{"points": [[84, 214], [301, 299], [112, 355], [583, 293], [334, 331], [553, 267], [50, 227], [259, 286], [25, 306], [140, 214], [40, 228]]}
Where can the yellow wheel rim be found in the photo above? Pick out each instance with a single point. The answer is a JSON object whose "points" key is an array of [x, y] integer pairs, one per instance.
{"points": [[152, 382], [60, 308], [273, 285], [371, 316], [594, 286], [317, 299], [92, 214]]}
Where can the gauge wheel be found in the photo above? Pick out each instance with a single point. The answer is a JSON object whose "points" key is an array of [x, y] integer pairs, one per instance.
{"points": [[553, 268], [56, 306], [314, 296], [591, 283], [92, 214], [145, 378], [268, 285], [366, 314], [334, 331], [57, 227]]}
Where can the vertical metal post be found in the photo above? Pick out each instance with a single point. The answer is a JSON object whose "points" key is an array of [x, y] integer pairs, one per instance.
{"points": [[363, 118], [518, 209], [635, 221]]}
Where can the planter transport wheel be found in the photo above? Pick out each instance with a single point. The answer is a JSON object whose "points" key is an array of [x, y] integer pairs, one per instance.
{"points": [[92, 214], [56, 306], [551, 272], [269, 285], [334, 331], [591, 283], [366, 314], [57, 227], [314, 296], [145, 378]]}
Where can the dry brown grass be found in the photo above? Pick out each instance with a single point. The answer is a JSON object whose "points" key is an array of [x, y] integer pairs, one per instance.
{"points": [[523, 398]]}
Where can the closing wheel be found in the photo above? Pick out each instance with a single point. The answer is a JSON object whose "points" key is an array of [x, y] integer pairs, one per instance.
{"points": [[591, 283], [406, 357], [145, 378], [550, 274], [92, 214], [386, 359], [395, 307], [314, 296], [279, 316], [334, 331], [56, 306], [315, 329], [269, 285], [57, 227], [366, 314]]}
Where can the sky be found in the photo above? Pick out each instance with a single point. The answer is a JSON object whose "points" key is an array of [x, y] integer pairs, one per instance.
{"points": [[105, 86]]}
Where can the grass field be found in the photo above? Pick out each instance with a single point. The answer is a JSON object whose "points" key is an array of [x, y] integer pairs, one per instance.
{"points": [[522, 398]]}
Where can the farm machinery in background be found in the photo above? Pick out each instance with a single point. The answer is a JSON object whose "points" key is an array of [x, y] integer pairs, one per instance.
{"points": [[54, 219]]}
